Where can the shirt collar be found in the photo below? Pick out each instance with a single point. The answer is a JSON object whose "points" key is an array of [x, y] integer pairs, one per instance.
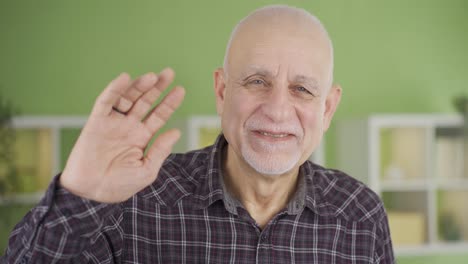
{"points": [[212, 188]]}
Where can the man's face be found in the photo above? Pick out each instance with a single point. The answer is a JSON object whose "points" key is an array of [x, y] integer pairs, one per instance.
{"points": [[275, 100]]}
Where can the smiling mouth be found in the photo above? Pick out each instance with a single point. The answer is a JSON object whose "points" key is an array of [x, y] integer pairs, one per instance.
{"points": [[280, 135], [273, 135]]}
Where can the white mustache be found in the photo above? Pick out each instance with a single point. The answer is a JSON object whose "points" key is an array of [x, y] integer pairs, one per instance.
{"points": [[273, 128]]}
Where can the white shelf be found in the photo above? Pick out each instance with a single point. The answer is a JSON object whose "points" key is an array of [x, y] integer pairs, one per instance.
{"points": [[49, 121], [432, 249], [453, 184], [404, 185]]}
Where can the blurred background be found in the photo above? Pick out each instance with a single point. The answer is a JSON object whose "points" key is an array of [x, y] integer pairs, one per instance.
{"points": [[402, 65]]}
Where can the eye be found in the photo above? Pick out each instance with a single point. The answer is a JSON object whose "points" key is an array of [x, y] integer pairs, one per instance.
{"points": [[257, 82], [302, 89], [302, 92]]}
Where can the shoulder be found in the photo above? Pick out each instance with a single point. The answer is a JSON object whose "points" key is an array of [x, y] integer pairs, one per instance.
{"points": [[345, 196]]}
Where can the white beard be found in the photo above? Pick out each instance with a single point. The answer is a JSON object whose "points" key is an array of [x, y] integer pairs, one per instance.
{"points": [[271, 158], [272, 163]]}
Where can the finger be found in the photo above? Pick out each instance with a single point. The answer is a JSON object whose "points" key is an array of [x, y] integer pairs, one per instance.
{"points": [[111, 95], [160, 149], [145, 102], [166, 77], [138, 87], [161, 113]]}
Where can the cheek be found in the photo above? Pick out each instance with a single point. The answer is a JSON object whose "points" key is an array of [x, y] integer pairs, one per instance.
{"points": [[237, 109], [312, 122], [311, 118], [240, 106]]}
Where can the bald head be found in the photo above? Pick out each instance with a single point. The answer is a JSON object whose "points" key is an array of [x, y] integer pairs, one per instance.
{"points": [[279, 24]]}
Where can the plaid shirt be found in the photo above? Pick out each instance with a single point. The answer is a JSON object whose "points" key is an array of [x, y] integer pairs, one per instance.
{"points": [[187, 216]]}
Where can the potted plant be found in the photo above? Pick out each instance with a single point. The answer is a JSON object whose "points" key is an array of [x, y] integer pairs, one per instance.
{"points": [[7, 141]]}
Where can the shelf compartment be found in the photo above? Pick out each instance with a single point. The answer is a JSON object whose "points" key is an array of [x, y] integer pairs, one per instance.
{"points": [[403, 153], [408, 217], [36, 154], [450, 154], [32, 160], [452, 216], [404, 185]]}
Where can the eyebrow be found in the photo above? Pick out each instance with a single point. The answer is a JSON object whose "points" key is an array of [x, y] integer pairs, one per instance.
{"points": [[255, 70], [305, 79], [258, 70]]}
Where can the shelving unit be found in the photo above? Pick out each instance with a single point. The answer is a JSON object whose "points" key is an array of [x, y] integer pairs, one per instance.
{"points": [[418, 165], [38, 149]]}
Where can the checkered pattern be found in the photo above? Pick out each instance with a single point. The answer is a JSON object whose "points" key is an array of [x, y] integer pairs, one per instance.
{"points": [[186, 216]]}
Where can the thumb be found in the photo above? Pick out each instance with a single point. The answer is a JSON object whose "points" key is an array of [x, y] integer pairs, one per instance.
{"points": [[161, 149]]}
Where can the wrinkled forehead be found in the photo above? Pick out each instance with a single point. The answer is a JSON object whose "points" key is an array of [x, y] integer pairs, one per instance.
{"points": [[270, 43]]}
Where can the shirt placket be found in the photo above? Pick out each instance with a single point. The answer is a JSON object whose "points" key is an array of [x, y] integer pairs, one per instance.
{"points": [[263, 248]]}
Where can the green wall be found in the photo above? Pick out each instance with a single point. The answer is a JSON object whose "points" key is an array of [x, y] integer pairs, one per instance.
{"points": [[391, 56]]}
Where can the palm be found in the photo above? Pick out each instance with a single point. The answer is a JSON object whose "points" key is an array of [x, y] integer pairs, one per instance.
{"points": [[108, 163]]}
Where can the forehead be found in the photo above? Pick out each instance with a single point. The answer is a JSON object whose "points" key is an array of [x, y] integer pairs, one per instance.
{"points": [[268, 56], [301, 50]]}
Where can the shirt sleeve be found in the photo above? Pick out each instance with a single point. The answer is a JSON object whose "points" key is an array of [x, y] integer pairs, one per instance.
{"points": [[384, 250], [65, 228]]}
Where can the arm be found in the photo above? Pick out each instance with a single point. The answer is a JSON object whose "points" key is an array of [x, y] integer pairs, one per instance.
{"points": [[107, 166], [64, 227]]}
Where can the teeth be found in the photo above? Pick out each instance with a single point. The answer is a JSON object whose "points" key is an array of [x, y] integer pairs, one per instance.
{"points": [[273, 135]]}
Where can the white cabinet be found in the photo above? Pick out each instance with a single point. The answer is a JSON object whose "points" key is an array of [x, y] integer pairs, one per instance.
{"points": [[418, 165]]}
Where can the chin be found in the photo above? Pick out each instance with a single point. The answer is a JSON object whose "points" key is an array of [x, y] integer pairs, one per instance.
{"points": [[270, 164]]}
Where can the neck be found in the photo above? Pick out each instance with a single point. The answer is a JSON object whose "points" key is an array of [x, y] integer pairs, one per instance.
{"points": [[263, 196]]}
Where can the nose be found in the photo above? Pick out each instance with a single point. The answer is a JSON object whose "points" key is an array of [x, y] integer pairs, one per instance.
{"points": [[277, 105]]}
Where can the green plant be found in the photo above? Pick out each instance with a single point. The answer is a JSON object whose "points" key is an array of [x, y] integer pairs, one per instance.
{"points": [[7, 141], [461, 104]]}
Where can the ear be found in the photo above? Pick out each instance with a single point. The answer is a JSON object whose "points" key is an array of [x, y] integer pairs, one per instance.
{"points": [[220, 89], [331, 104]]}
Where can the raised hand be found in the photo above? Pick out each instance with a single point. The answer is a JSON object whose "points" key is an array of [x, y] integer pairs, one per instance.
{"points": [[107, 163]]}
